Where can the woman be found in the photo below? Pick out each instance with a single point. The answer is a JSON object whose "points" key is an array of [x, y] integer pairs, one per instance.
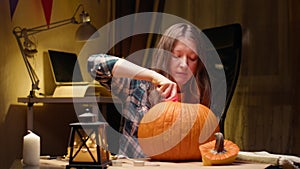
{"points": [[180, 75]]}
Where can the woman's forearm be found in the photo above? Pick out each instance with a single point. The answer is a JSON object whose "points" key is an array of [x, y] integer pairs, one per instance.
{"points": [[166, 87], [124, 68]]}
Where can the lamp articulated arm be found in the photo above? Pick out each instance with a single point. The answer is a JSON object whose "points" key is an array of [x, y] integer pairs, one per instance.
{"points": [[33, 76], [28, 48]]}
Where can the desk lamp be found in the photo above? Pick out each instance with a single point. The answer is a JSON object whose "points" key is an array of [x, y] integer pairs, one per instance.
{"points": [[28, 48]]}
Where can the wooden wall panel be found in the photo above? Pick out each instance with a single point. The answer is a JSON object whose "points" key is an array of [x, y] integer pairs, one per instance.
{"points": [[264, 111]]}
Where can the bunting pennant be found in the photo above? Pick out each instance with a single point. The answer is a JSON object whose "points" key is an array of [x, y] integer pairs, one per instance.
{"points": [[47, 7], [13, 5]]}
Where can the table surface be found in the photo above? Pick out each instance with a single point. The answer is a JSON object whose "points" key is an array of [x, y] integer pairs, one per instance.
{"points": [[50, 99], [190, 165], [57, 164]]}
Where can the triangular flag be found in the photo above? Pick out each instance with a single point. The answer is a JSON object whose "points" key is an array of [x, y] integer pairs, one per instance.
{"points": [[13, 5], [47, 7]]}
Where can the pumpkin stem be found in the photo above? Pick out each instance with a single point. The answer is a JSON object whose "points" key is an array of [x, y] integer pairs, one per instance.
{"points": [[219, 146]]}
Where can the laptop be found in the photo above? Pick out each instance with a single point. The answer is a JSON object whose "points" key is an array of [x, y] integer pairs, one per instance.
{"points": [[68, 77], [65, 68]]}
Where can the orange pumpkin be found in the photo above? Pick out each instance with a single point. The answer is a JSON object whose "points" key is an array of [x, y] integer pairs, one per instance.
{"points": [[173, 131], [219, 151]]}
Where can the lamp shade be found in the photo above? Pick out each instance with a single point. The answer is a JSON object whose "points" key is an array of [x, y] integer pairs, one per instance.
{"points": [[85, 31]]}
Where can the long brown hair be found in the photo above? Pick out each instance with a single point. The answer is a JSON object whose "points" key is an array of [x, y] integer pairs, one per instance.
{"points": [[195, 93]]}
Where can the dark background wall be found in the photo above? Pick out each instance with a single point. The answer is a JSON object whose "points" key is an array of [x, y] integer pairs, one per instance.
{"points": [[264, 110]]}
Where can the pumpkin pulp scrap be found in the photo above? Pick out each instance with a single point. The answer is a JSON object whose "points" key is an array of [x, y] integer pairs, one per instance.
{"points": [[219, 151]]}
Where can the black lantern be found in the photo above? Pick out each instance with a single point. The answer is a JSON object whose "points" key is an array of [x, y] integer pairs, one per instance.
{"points": [[88, 146]]}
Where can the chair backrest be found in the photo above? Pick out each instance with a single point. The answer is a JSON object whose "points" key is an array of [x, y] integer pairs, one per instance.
{"points": [[227, 41]]}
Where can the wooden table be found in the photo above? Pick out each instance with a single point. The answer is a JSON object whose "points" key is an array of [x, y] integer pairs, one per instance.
{"points": [[189, 165], [51, 164], [45, 164]]}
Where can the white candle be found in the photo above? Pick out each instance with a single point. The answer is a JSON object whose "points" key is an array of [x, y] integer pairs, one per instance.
{"points": [[31, 149]]}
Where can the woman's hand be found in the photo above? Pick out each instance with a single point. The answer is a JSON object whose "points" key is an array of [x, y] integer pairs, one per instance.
{"points": [[166, 87]]}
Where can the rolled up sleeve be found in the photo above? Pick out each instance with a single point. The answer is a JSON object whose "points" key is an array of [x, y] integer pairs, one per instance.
{"points": [[100, 68]]}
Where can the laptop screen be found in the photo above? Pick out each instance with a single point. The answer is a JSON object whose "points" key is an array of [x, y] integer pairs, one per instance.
{"points": [[65, 67]]}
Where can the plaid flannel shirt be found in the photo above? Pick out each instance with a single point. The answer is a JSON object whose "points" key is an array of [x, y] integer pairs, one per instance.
{"points": [[135, 95]]}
